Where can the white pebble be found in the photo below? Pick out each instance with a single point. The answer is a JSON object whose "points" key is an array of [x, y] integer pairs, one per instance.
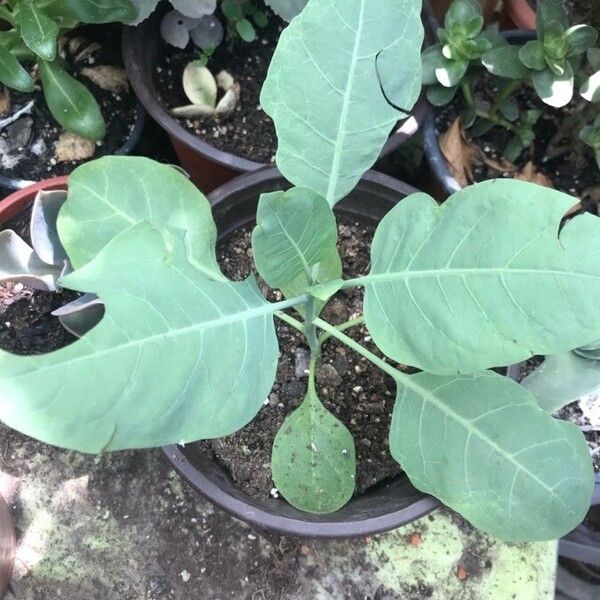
{"points": [[185, 576]]}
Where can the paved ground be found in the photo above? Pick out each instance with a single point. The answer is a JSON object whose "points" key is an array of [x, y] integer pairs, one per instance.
{"points": [[125, 527]]}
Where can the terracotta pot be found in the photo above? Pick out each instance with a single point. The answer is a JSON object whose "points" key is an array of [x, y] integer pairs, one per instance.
{"points": [[517, 13], [12, 205], [209, 167], [7, 546]]}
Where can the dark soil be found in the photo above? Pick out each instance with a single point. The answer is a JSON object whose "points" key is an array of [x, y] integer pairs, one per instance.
{"points": [[557, 151], [360, 395], [26, 325], [248, 132], [31, 139]]}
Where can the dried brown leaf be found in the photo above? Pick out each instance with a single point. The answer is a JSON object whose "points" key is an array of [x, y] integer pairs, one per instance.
{"points": [[5, 103], [502, 165], [106, 77], [459, 152], [73, 147], [531, 174]]}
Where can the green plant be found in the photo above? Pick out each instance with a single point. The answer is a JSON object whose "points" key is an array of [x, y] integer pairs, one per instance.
{"points": [[590, 135], [553, 64], [36, 28], [184, 354]]}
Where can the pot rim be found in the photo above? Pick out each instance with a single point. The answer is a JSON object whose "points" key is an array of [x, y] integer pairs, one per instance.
{"points": [[12, 183], [433, 153], [13, 203], [139, 70], [263, 514]]}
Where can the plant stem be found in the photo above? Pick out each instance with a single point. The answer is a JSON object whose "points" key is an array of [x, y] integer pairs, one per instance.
{"points": [[291, 303], [343, 327], [290, 321], [378, 362], [310, 331], [508, 89], [465, 86]]}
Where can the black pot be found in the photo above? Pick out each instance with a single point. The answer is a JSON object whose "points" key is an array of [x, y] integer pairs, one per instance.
{"points": [[210, 167], [386, 506], [11, 184], [435, 159]]}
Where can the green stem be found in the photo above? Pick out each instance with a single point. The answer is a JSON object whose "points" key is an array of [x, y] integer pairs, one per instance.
{"points": [[348, 341], [465, 86], [312, 369], [509, 88], [290, 321], [343, 327], [291, 303], [498, 121], [309, 327]]}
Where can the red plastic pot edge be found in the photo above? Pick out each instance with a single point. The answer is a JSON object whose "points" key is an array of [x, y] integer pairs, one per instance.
{"points": [[8, 546], [210, 167], [13, 204]]}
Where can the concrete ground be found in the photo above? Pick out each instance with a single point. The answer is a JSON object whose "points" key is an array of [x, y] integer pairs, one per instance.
{"points": [[125, 527]]}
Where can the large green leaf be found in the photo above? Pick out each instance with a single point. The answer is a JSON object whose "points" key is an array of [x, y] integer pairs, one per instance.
{"points": [[313, 462], [12, 73], [38, 30], [109, 195], [176, 358], [70, 102], [562, 379], [482, 445], [482, 280], [94, 11], [295, 241], [336, 72]]}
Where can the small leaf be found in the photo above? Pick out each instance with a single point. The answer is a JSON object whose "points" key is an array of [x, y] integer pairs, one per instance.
{"points": [[532, 55], [287, 9], [505, 62], [38, 30], [12, 74], [513, 149], [19, 263], [208, 34], [228, 103], [324, 291], [261, 20], [549, 12], [431, 59], [175, 29], [457, 288], [313, 461], [42, 227], [438, 95], [71, 103], [199, 85], [246, 30], [192, 111], [593, 56], [461, 12], [450, 72], [581, 38], [554, 90], [510, 109], [295, 231], [482, 445], [81, 315], [562, 379], [473, 26]]}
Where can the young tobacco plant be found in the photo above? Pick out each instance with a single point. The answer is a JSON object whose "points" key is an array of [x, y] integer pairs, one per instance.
{"points": [[36, 26], [554, 64], [183, 354]]}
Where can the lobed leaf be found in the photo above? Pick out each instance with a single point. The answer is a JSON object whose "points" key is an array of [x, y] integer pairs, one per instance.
{"points": [[352, 62], [109, 195], [479, 281], [159, 368], [314, 460], [482, 445]]}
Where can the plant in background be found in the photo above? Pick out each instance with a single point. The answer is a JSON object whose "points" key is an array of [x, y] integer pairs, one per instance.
{"points": [[41, 265], [554, 64], [184, 354], [35, 30], [199, 20], [590, 135]]}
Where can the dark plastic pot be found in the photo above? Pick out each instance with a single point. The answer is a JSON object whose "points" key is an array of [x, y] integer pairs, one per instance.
{"points": [[12, 205], [208, 166], [7, 546], [10, 183], [384, 507], [435, 159]]}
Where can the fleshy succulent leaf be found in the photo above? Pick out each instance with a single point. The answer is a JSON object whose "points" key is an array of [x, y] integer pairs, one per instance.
{"points": [[360, 57], [461, 12], [42, 227], [81, 315], [159, 368], [313, 461], [457, 288], [200, 85], [555, 90], [532, 55], [484, 447], [581, 38], [590, 90], [505, 62], [548, 13], [195, 8]]}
